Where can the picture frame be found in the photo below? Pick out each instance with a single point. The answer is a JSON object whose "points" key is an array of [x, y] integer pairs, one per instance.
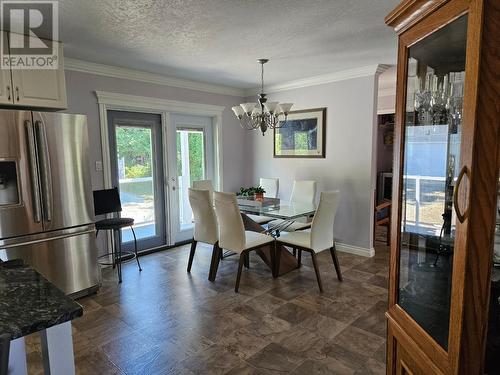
{"points": [[303, 135]]}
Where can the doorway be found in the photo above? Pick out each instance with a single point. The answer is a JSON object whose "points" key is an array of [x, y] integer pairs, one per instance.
{"points": [[137, 169], [194, 160]]}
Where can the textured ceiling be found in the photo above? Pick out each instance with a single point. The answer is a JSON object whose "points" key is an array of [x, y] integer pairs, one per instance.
{"points": [[218, 41]]}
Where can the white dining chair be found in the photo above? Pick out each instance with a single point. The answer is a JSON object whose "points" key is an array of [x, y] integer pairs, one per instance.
{"points": [[271, 187], [232, 233], [204, 185], [318, 239], [205, 223], [302, 192]]}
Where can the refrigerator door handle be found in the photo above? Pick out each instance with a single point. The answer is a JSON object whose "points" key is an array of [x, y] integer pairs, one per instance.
{"points": [[45, 172], [33, 171]]}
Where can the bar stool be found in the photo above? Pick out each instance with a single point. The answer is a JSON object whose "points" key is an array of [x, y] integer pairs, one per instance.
{"points": [[107, 201]]}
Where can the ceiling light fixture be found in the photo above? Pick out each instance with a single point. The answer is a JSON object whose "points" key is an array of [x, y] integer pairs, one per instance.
{"points": [[262, 115]]}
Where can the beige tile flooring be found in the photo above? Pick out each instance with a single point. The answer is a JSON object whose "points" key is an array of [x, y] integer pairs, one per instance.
{"points": [[165, 321]]}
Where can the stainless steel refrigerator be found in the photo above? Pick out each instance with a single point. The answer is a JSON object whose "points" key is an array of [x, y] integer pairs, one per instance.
{"points": [[46, 204]]}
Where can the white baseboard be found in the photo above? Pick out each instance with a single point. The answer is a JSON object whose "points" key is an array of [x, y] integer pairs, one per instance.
{"points": [[356, 250]]}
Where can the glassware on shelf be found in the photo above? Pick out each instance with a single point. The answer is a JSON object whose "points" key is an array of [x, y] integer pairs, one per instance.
{"points": [[439, 100]]}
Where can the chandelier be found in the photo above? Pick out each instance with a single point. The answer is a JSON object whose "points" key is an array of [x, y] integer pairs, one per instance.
{"points": [[262, 115]]}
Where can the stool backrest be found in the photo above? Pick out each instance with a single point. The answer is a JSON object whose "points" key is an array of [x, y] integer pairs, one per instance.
{"points": [[324, 218], [205, 222], [107, 201], [271, 186], [303, 191], [231, 227]]}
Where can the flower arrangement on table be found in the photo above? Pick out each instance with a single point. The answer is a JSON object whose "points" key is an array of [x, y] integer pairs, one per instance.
{"points": [[255, 192]]}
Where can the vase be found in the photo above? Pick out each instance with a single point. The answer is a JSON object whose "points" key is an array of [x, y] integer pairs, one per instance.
{"points": [[258, 197]]}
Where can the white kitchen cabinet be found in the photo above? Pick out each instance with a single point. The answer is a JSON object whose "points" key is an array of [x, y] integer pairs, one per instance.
{"points": [[5, 80], [37, 88]]}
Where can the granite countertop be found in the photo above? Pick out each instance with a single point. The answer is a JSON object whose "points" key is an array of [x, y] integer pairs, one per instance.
{"points": [[29, 303]]}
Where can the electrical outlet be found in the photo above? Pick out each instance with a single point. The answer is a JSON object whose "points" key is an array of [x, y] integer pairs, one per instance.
{"points": [[98, 166]]}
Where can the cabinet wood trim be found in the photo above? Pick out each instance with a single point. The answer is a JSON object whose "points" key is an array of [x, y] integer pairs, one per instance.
{"points": [[420, 26]]}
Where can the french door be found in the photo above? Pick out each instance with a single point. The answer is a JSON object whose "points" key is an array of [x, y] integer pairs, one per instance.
{"points": [[194, 160], [137, 169]]}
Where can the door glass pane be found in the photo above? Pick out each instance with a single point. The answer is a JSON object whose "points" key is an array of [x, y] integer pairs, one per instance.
{"points": [[432, 136], [136, 183], [190, 167]]}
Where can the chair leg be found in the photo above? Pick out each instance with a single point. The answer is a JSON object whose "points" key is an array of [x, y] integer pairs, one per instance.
{"points": [[247, 260], [238, 276], [294, 251], [333, 252], [299, 259], [216, 259], [388, 239], [191, 255], [119, 256], [316, 269], [135, 249]]}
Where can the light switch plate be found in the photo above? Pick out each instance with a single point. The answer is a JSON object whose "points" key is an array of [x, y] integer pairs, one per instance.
{"points": [[98, 166]]}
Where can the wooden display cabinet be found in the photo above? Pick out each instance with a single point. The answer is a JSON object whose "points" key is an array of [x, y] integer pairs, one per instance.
{"points": [[446, 152]]}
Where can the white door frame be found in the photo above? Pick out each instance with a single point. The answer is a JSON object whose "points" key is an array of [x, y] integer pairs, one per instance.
{"points": [[132, 103], [200, 123]]}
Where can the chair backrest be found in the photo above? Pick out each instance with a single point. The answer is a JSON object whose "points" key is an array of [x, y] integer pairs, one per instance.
{"points": [[205, 222], [203, 185], [271, 186], [324, 218], [303, 191], [107, 201], [231, 228]]}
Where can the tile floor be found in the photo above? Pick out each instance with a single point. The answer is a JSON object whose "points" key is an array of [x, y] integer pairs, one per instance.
{"points": [[165, 321]]}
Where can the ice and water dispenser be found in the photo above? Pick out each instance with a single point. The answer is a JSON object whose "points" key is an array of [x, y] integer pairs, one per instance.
{"points": [[9, 192]]}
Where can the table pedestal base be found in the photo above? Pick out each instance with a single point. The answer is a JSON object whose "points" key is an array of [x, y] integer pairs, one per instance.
{"points": [[287, 261]]}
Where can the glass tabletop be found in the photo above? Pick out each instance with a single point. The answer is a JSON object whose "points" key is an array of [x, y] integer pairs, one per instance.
{"points": [[285, 211]]}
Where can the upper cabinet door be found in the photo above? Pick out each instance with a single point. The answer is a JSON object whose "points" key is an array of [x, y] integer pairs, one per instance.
{"points": [[6, 96], [42, 88]]}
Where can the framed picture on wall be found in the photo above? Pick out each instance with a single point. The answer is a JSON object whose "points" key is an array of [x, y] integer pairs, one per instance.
{"points": [[302, 136]]}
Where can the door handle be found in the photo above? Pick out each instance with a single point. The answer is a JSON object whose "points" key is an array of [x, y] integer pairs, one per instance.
{"points": [[460, 216], [8, 92], [17, 93], [45, 171], [33, 171]]}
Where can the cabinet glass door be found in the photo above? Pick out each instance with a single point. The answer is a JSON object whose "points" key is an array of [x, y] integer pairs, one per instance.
{"points": [[432, 141]]}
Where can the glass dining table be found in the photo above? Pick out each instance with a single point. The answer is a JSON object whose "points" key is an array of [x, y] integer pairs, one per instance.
{"points": [[288, 212]]}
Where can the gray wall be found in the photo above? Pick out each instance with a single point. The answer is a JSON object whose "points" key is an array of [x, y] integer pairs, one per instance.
{"points": [[81, 99], [350, 153], [247, 155]]}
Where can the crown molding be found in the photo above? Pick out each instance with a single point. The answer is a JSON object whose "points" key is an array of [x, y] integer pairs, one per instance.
{"points": [[342, 75], [138, 75], [159, 79]]}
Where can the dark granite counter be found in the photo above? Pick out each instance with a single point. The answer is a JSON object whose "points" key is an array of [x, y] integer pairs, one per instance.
{"points": [[29, 303]]}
